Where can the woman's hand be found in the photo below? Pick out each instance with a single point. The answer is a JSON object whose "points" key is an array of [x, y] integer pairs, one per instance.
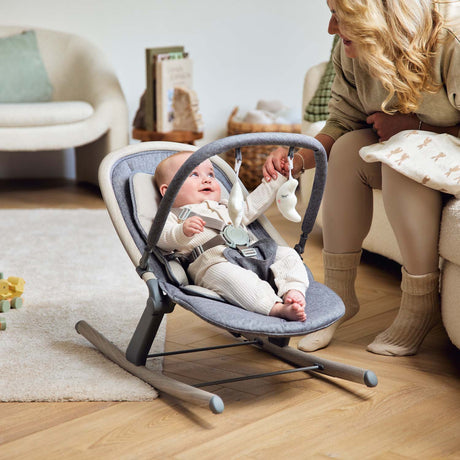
{"points": [[386, 125], [193, 225], [276, 163]]}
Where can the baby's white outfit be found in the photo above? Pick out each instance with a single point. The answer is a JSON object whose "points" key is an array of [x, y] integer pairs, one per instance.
{"points": [[212, 270]]}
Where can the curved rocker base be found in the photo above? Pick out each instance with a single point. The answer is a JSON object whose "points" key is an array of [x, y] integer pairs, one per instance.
{"points": [[157, 379], [203, 398]]}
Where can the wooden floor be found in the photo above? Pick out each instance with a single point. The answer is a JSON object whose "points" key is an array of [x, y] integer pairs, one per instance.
{"points": [[413, 413]]}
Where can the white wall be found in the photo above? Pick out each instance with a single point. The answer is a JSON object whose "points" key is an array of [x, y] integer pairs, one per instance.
{"points": [[243, 50]]}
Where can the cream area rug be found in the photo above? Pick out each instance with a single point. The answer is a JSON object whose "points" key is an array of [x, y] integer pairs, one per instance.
{"points": [[75, 268]]}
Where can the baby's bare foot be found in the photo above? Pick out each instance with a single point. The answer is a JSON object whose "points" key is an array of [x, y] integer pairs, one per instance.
{"points": [[290, 311], [294, 296]]}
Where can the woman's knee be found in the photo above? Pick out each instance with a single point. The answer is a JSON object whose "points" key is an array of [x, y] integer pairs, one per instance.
{"points": [[349, 144], [344, 158], [397, 188]]}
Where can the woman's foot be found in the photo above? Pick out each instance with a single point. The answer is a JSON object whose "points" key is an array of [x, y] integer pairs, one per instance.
{"points": [[339, 275], [418, 313], [293, 308]]}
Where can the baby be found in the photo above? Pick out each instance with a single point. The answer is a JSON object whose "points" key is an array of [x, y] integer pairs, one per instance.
{"points": [[201, 194]]}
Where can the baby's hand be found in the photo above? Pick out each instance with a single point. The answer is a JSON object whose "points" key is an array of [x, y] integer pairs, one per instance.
{"points": [[193, 225]]}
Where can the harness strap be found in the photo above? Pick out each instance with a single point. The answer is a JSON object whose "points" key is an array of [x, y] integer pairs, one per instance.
{"points": [[185, 213], [216, 241], [225, 237], [198, 250]]}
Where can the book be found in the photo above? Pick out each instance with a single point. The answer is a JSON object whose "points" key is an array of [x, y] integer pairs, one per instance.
{"points": [[170, 73], [186, 111], [151, 56]]}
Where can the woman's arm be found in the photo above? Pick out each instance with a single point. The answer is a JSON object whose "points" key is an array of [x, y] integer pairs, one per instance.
{"points": [[453, 130], [386, 125]]}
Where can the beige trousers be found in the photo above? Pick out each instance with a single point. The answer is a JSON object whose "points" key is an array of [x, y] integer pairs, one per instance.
{"points": [[414, 211], [244, 288]]}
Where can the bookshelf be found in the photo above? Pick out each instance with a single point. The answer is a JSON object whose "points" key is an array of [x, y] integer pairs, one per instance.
{"points": [[185, 137]]}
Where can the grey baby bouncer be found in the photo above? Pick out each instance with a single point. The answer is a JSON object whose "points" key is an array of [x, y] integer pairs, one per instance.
{"points": [[126, 181]]}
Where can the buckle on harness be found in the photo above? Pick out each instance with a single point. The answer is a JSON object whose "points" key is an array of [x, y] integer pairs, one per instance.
{"points": [[196, 252], [248, 252], [235, 236], [184, 213]]}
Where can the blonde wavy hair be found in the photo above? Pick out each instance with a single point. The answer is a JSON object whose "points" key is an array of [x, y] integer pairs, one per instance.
{"points": [[396, 40]]}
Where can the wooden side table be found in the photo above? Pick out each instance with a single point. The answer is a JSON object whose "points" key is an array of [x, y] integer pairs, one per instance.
{"points": [[185, 137]]}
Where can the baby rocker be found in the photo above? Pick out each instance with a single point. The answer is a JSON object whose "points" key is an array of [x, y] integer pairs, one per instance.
{"points": [[126, 181]]}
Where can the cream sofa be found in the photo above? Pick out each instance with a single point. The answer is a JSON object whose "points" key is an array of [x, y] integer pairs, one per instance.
{"points": [[88, 110], [381, 239]]}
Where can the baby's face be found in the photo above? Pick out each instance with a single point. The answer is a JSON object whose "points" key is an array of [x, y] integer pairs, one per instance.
{"points": [[199, 186]]}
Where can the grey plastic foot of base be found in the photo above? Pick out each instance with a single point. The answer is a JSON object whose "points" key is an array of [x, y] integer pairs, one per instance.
{"points": [[216, 405], [370, 379]]}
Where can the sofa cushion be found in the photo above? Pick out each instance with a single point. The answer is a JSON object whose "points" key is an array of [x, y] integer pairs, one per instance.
{"points": [[317, 108], [44, 113], [23, 76], [450, 293], [449, 239]]}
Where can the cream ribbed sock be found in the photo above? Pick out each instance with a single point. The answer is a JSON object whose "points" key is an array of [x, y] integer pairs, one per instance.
{"points": [[418, 313], [339, 275]]}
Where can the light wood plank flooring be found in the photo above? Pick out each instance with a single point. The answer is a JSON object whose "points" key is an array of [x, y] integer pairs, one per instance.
{"points": [[414, 412]]}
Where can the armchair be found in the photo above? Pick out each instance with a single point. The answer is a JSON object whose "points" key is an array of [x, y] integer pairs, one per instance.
{"points": [[87, 110]]}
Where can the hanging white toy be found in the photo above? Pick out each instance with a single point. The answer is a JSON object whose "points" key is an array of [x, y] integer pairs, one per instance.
{"points": [[236, 198], [285, 197]]}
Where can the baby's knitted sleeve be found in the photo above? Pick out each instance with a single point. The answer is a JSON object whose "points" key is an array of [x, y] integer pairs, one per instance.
{"points": [[172, 236], [259, 200]]}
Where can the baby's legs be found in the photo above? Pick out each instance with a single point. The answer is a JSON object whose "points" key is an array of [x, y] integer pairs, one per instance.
{"points": [[240, 287], [244, 288], [289, 272], [291, 279]]}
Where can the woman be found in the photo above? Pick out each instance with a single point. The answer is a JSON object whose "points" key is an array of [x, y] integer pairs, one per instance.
{"points": [[397, 68]]}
